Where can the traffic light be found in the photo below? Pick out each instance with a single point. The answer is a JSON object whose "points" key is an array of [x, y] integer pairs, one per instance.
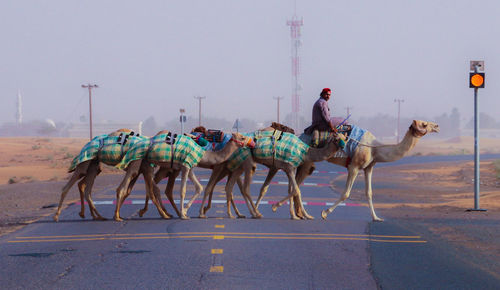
{"points": [[476, 80]]}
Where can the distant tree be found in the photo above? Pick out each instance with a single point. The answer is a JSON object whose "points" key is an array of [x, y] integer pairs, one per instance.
{"points": [[485, 121]]}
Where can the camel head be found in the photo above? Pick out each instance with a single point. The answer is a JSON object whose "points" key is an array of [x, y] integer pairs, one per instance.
{"points": [[282, 128], [242, 140], [419, 128]]}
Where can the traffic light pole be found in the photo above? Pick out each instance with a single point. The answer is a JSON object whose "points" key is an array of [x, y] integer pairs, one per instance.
{"points": [[476, 152]]}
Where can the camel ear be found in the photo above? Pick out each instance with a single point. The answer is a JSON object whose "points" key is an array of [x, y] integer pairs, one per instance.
{"points": [[420, 126]]}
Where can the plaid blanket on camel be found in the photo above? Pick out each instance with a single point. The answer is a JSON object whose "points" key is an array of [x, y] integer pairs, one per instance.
{"points": [[157, 150], [288, 147], [107, 149]]}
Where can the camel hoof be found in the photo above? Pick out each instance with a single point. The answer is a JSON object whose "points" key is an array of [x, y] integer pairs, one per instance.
{"points": [[166, 217], [257, 216], [295, 218], [378, 220], [118, 219], [231, 216], [81, 214], [240, 216], [309, 217], [56, 218], [324, 214], [100, 218], [274, 208], [184, 217], [202, 216], [141, 212]]}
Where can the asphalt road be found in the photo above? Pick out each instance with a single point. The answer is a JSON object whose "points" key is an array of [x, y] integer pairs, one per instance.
{"points": [[346, 251]]}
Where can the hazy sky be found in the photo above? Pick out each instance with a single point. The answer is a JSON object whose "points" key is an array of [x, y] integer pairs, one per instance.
{"points": [[151, 57]]}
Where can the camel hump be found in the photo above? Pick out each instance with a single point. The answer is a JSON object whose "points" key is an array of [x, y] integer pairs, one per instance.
{"points": [[120, 131], [162, 132]]}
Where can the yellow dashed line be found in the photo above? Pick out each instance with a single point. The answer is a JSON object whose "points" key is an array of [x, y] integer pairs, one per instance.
{"points": [[220, 206], [218, 237], [221, 195], [220, 226], [219, 218], [217, 251], [217, 269], [219, 211]]}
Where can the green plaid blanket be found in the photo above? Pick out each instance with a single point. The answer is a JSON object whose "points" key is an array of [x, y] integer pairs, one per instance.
{"points": [[289, 148], [157, 150], [107, 149], [239, 156]]}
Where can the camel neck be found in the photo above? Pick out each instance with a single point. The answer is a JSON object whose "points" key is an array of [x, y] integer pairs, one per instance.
{"points": [[216, 157], [389, 153], [320, 154]]}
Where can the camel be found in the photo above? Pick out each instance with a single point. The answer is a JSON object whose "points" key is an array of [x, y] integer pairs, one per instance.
{"points": [[144, 158], [89, 168], [368, 152]]}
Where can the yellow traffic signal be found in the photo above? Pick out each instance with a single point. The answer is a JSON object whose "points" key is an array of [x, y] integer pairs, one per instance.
{"points": [[476, 80]]}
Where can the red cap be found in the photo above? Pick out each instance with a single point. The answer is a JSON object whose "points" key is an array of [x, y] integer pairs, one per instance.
{"points": [[326, 90]]}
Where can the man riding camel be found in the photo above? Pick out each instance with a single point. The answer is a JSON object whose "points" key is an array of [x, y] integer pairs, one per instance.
{"points": [[321, 120]]}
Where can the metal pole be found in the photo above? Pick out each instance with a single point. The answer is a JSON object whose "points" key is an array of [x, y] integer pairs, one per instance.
{"points": [[399, 101], [90, 87], [477, 181], [278, 113], [476, 151], [199, 108]]}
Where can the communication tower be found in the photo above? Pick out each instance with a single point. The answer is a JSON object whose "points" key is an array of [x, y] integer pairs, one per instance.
{"points": [[295, 24]]}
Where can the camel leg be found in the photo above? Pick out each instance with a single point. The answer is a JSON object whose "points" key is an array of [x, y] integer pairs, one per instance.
{"points": [[132, 171], [81, 189], [293, 192], [229, 190], [169, 191], [80, 171], [184, 177], [352, 173], [217, 174], [246, 194], [198, 188], [303, 171], [270, 175], [92, 173], [159, 176], [241, 187], [152, 190], [369, 193]]}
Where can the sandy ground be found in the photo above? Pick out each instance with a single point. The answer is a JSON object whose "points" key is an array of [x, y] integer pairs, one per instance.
{"points": [[435, 196]]}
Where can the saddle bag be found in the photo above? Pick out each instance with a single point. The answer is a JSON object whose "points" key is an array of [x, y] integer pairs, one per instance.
{"points": [[214, 136]]}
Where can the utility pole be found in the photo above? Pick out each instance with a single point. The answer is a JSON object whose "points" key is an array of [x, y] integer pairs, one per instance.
{"points": [[199, 108], [278, 99], [399, 101], [90, 87]]}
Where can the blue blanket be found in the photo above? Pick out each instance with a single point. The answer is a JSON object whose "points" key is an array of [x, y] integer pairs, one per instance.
{"points": [[356, 134]]}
